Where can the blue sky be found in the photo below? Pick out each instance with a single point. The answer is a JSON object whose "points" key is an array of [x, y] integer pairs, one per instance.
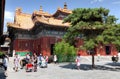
{"points": [[50, 6]]}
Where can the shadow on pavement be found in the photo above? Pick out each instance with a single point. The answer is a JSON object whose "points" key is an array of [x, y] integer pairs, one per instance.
{"points": [[2, 76], [113, 64], [89, 67], [73, 66]]}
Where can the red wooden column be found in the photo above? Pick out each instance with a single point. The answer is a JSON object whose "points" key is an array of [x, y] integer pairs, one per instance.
{"points": [[114, 50], [45, 50]]}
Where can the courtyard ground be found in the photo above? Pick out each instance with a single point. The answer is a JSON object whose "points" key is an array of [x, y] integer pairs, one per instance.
{"points": [[104, 69]]}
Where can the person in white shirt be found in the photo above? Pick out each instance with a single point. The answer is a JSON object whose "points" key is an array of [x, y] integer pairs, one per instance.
{"points": [[16, 62], [55, 59], [77, 60]]}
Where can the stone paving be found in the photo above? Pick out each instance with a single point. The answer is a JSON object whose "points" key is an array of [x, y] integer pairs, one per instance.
{"points": [[2, 74], [103, 70]]}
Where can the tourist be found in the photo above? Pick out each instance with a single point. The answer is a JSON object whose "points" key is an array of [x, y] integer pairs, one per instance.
{"points": [[46, 60], [30, 64], [40, 59], [43, 62], [98, 57], [77, 60], [5, 64], [35, 59], [55, 59], [27, 57], [31, 60], [16, 62]]}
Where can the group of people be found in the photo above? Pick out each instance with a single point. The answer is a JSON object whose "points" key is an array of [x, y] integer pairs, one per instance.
{"points": [[33, 61], [43, 61], [28, 59]]}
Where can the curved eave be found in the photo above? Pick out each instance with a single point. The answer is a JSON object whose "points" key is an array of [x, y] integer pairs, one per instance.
{"points": [[16, 26], [38, 20]]}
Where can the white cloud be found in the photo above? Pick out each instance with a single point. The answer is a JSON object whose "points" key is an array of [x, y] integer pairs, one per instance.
{"points": [[118, 2], [94, 1], [9, 15]]}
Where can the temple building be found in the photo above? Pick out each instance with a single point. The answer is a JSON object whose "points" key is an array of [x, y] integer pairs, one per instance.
{"points": [[38, 32]]}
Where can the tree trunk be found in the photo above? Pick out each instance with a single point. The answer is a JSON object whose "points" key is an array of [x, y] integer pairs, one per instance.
{"points": [[93, 63]]}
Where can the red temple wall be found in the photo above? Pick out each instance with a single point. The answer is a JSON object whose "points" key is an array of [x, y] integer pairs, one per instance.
{"points": [[40, 45], [43, 45], [98, 50]]}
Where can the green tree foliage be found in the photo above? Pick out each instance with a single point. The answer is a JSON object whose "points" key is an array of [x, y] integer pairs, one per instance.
{"points": [[64, 51], [112, 36], [1, 54], [90, 23], [95, 25]]}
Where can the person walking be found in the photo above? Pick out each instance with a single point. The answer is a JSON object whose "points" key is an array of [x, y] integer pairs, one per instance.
{"points": [[35, 60], [55, 59], [40, 59], [77, 60], [98, 57], [27, 57], [5, 64], [43, 62], [46, 60], [16, 62]]}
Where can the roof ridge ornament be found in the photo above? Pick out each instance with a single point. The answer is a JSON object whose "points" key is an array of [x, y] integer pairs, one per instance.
{"points": [[65, 5], [18, 10], [41, 10]]}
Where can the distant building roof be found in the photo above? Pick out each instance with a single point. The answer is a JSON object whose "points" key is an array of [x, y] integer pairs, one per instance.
{"points": [[41, 13], [21, 20], [51, 21]]}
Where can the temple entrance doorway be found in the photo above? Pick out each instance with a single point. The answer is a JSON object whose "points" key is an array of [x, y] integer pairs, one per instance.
{"points": [[52, 49], [107, 48]]}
